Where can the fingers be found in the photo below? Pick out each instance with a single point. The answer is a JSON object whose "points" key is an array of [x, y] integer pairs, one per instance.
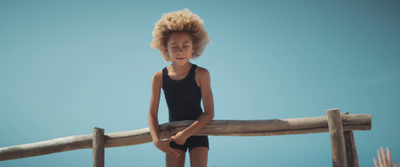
{"points": [[380, 159], [178, 140], [384, 159], [169, 150], [375, 163], [164, 147], [389, 157], [170, 139], [172, 152]]}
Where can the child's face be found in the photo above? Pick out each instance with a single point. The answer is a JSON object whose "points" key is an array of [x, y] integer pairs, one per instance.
{"points": [[180, 47]]}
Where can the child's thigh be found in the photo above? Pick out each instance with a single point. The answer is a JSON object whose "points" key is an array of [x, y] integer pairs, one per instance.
{"points": [[176, 161], [198, 157]]}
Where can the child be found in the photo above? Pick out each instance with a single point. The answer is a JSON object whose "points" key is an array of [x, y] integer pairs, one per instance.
{"points": [[180, 36]]}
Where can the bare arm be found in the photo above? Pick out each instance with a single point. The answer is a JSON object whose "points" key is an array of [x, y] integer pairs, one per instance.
{"points": [[154, 103], [163, 145], [203, 80]]}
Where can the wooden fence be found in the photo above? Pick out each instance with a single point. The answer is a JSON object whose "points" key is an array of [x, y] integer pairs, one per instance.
{"points": [[339, 125]]}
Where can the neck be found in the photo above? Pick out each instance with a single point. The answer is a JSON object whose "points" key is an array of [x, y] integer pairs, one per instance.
{"points": [[181, 68]]}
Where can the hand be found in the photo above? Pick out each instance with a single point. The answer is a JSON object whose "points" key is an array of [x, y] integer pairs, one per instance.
{"points": [[179, 138], [385, 160], [163, 145]]}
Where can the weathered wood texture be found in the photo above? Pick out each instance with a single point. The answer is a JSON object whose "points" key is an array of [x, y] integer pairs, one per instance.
{"points": [[351, 150], [215, 127], [337, 138], [98, 147], [46, 147]]}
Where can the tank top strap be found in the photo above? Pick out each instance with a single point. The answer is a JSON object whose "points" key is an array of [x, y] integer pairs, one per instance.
{"points": [[192, 71], [165, 73]]}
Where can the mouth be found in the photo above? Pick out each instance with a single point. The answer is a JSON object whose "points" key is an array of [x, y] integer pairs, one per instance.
{"points": [[180, 58]]}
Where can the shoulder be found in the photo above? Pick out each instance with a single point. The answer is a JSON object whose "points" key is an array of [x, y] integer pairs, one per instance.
{"points": [[202, 76], [157, 77], [202, 72]]}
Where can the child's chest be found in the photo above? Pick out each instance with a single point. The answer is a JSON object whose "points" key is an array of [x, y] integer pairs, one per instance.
{"points": [[177, 76]]}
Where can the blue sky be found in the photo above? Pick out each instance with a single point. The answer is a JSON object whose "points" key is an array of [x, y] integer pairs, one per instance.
{"points": [[69, 66]]}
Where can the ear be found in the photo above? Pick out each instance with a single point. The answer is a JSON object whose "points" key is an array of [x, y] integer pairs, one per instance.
{"points": [[193, 48], [166, 50]]}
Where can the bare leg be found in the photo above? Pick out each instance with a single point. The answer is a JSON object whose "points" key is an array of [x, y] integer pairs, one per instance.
{"points": [[198, 157], [176, 161]]}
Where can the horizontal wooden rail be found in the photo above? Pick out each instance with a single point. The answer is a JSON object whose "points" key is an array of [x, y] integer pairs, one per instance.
{"points": [[216, 128]]}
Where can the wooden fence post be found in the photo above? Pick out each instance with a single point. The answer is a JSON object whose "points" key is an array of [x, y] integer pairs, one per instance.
{"points": [[337, 137], [351, 151], [98, 147]]}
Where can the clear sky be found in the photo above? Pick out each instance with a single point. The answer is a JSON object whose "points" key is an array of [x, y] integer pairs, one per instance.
{"points": [[69, 66]]}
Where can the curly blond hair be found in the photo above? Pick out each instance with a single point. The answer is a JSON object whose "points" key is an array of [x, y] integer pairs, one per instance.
{"points": [[183, 20]]}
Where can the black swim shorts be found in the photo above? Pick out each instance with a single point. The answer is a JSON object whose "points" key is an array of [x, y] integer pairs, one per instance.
{"points": [[191, 142]]}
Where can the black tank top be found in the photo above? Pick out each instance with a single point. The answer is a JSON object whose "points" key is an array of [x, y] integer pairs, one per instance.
{"points": [[183, 96]]}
